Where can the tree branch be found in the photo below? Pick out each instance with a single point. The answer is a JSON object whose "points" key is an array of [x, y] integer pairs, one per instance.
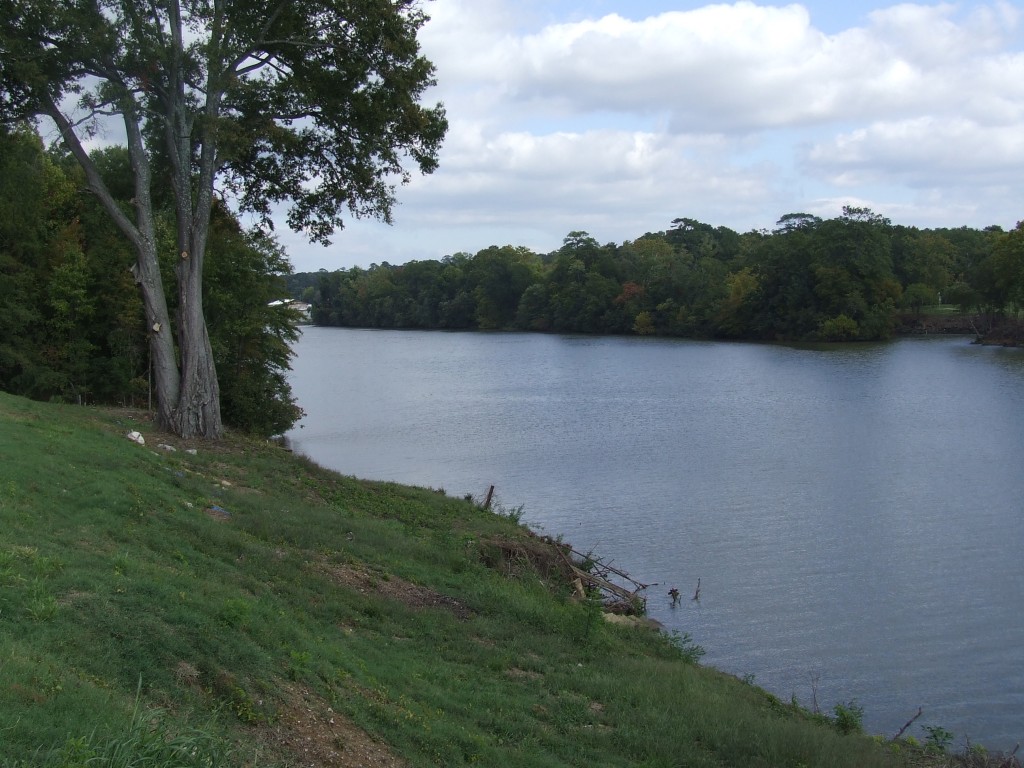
{"points": [[909, 723], [92, 174], [258, 42]]}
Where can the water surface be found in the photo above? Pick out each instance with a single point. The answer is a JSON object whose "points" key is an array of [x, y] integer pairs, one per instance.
{"points": [[855, 513]]}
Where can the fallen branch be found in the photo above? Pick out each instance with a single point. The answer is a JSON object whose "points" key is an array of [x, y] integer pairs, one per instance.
{"points": [[909, 723], [599, 577], [603, 567], [1011, 761], [603, 584]]}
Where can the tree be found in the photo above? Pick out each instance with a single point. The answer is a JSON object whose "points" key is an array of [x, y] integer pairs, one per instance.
{"points": [[917, 295], [795, 221], [1005, 270], [500, 276], [24, 241], [250, 330], [309, 101]]}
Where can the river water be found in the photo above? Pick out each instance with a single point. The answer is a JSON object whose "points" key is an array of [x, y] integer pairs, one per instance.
{"points": [[855, 514]]}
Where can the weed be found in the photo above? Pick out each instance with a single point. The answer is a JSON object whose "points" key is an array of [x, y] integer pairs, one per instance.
{"points": [[236, 612], [42, 606], [688, 651], [46, 566], [938, 739], [298, 664], [244, 707], [149, 740], [121, 563], [849, 717], [515, 514]]}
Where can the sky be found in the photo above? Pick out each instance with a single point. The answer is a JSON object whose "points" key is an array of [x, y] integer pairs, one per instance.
{"points": [[615, 117]]}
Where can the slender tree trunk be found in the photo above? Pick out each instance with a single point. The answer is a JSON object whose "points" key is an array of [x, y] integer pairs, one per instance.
{"points": [[161, 335]]}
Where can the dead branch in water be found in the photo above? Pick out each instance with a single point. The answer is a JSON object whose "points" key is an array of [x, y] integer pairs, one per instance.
{"points": [[909, 723], [599, 575]]}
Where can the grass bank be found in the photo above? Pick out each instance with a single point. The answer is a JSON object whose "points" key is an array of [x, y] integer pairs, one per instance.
{"points": [[242, 607]]}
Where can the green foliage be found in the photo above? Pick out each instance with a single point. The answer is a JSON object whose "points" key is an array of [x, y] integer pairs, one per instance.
{"points": [[312, 104], [75, 316], [148, 740], [918, 295], [938, 739], [840, 328], [250, 338], [840, 279], [963, 296], [689, 651], [1003, 271], [644, 324], [849, 717]]}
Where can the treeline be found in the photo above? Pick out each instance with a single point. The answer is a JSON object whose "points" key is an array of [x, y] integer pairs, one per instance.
{"points": [[72, 325], [847, 278]]}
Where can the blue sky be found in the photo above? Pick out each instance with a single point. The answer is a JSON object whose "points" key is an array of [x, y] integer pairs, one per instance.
{"points": [[616, 116]]}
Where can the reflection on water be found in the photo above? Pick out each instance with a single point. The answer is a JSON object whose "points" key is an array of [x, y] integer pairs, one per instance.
{"points": [[854, 513]]}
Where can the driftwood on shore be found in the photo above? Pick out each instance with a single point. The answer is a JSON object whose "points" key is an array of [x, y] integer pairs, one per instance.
{"points": [[585, 574], [597, 575]]}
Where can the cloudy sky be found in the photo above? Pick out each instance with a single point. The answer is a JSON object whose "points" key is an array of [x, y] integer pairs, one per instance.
{"points": [[617, 116]]}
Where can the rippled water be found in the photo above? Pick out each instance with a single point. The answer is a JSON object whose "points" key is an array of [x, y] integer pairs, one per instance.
{"points": [[855, 513]]}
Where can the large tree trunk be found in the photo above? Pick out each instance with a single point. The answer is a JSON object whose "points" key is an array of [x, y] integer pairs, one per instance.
{"points": [[187, 394], [198, 409]]}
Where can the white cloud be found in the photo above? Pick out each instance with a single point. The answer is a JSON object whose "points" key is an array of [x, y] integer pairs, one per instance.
{"points": [[922, 152], [730, 113], [596, 175], [739, 67]]}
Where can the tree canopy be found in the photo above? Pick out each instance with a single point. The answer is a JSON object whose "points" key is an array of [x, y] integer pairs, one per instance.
{"points": [[72, 320], [854, 277], [313, 104]]}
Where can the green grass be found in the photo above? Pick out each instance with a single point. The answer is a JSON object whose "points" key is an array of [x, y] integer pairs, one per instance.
{"points": [[139, 624]]}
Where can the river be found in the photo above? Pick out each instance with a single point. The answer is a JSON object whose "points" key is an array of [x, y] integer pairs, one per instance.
{"points": [[855, 513]]}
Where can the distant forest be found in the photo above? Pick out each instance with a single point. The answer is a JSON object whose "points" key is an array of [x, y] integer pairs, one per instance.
{"points": [[854, 277]]}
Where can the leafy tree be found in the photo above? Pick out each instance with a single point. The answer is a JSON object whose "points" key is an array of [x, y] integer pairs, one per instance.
{"points": [[918, 295], [250, 337], [926, 258], [1004, 270], [796, 221], [809, 278], [501, 275], [644, 324], [308, 101], [733, 318], [839, 328], [534, 313], [813, 277], [24, 238], [86, 339], [963, 295], [785, 302]]}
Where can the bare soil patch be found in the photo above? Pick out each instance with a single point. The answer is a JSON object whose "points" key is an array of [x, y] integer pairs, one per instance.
{"points": [[363, 579], [307, 733]]}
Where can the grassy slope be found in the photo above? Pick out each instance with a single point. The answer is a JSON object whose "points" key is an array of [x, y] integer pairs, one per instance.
{"points": [[320, 610]]}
